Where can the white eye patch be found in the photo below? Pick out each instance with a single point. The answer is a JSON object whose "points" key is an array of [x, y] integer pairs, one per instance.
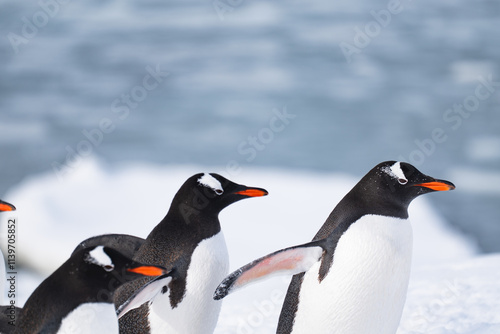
{"points": [[99, 257], [211, 182], [396, 172]]}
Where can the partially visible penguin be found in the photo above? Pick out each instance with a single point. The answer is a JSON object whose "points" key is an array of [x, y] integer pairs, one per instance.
{"points": [[78, 296], [190, 239], [353, 277], [4, 206]]}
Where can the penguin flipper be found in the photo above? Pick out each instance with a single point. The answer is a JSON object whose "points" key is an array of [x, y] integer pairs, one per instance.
{"points": [[146, 293], [126, 244], [288, 261]]}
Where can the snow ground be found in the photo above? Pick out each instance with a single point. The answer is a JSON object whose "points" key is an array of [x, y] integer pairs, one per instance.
{"points": [[452, 289], [462, 297]]}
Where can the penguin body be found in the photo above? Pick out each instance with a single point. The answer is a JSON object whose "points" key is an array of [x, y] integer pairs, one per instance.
{"points": [[209, 265], [372, 258], [78, 296], [353, 277], [190, 239], [90, 318]]}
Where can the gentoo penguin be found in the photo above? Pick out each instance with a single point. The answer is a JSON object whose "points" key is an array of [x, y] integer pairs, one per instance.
{"points": [[78, 296], [353, 277], [4, 206], [190, 239]]}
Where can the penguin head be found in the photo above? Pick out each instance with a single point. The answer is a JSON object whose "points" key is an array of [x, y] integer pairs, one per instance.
{"points": [[209, 193], [109, 268], [402, 182], [108, 260], [4, 206]]}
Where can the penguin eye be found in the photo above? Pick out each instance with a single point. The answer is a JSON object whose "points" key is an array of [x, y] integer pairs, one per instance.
{"points": [[219, 191], [108, 267], [403, 181]]}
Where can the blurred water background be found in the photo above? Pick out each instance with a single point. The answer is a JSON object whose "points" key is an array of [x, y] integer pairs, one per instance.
{"points": [[304, 85]]}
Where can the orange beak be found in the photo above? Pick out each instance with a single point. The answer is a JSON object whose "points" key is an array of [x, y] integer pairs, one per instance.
{"points": [[148, 271], [438, 185], [253, 192], [4, 206]]}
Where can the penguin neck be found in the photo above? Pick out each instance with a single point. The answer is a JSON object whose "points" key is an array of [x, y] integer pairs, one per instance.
{"points": [[173, 243], [353, 206], [349, 210], [179, 226], [205, 222]]}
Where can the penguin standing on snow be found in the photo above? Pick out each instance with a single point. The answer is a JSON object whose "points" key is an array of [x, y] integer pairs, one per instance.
{"points": [[78, 296], [190, 239], [353, 277]]}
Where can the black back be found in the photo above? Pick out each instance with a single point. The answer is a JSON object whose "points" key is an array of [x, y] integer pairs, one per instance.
{"points": [[193, 216], [75, 282], [126, 244], [377, 193]]}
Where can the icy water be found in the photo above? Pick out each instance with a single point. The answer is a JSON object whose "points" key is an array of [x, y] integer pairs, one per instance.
{"points": [[309, 85]]}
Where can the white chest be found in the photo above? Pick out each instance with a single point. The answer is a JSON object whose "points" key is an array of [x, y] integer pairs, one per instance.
{"points": [[365, 289], [197, 313], [90, 318]]}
